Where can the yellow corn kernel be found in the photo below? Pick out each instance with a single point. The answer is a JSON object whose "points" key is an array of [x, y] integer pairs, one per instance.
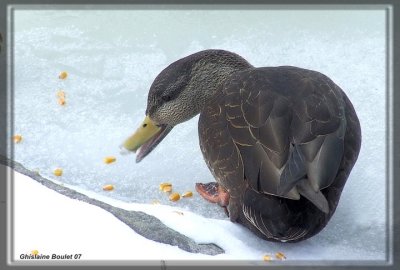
{"points": [[17, 138], [109, 160], [187, 194], [58, 172], [162, 185], [167, 188], [61, 101], [267, 258], [108, 187], [63, 75], [174, 197], [35, 252], [280, 256], [61, 94]]}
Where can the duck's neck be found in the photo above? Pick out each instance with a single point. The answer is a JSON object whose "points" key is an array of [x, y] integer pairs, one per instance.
{"points": [[210, 71]]}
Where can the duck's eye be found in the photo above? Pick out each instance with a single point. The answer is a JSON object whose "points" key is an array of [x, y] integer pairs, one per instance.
{"points": [[166, 98]]}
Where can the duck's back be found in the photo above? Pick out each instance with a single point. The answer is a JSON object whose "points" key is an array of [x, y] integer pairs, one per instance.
{"points": [[282, 141]]}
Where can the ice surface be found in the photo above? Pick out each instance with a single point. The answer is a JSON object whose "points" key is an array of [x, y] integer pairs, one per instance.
{"points": [[112, 58]]}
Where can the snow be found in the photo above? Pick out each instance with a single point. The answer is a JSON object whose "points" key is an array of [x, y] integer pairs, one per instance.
{"points": [[112, 57], [54, 224]]}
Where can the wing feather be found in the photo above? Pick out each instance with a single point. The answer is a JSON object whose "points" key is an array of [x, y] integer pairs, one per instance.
{"points": [[276, 131], [287, 124]]}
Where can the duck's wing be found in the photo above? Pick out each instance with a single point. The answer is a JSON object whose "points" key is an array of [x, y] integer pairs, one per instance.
{"points": [[288, 124]]}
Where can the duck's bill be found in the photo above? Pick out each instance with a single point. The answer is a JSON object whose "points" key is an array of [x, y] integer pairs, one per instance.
{"points": [[146, 138]]}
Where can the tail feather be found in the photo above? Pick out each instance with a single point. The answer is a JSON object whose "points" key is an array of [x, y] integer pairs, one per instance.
{"points": [[317, 198], [274, 219]]}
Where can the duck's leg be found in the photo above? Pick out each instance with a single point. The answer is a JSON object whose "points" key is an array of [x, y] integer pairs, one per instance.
{"points": [[214, 193]]}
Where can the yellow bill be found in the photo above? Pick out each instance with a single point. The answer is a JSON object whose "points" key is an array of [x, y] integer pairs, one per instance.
{"points": [[144, 133]]}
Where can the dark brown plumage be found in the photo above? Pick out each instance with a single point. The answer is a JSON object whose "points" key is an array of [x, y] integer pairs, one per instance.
{"points": [[280, 141]]}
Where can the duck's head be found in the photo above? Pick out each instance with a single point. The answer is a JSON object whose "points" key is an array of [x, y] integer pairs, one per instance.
{"points": [[179, 93]]}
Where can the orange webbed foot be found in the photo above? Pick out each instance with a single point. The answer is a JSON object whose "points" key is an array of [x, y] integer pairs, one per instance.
{"points": [[213, 192]]}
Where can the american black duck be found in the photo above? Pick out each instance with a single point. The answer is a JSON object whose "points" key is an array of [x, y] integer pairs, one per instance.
{"points": [[280, 141]]}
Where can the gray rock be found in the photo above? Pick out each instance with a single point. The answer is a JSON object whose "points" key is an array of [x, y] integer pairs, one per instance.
{"points": [[146, 225]]}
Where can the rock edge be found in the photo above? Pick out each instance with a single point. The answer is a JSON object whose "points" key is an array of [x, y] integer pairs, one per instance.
{"points": [[146, 225]]}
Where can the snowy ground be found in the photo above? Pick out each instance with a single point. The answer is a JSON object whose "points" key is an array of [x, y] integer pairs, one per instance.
{"points": [[54, 224], [113, 56]]}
